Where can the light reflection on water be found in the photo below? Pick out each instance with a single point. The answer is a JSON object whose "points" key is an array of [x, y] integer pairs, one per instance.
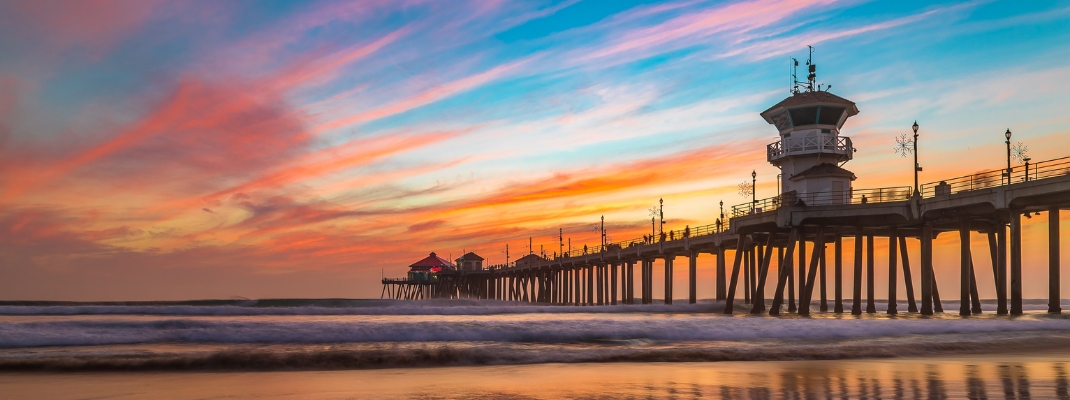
{"points": [[989, 377]]}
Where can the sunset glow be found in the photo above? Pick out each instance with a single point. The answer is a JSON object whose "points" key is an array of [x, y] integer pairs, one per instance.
{"points": [[185, 150]]}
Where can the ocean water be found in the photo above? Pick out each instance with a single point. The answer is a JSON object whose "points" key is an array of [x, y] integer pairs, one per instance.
{"points": [[288, 335]]}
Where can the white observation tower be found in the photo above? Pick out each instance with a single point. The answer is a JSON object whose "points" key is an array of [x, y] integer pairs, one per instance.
{"points": [[810, 152]]}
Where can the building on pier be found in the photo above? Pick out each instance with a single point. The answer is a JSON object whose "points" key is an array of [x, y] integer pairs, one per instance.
{"points": [[421, 280], [428, 268], [469, 262], [811, 152], [529, 260]]}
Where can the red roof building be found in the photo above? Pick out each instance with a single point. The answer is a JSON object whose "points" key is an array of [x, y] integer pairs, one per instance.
{"points": [[428, 268]]}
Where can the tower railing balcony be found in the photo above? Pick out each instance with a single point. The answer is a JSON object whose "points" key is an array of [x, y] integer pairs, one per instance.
{"points": [[836, 145]]}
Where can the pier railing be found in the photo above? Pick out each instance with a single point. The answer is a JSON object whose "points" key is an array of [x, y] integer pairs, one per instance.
{"points": [[756, 207], [853, 196], [670, 235], [998, 177], [809, 145]]}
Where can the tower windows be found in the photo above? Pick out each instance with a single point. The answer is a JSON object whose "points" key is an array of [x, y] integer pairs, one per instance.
{"points": [[830, 115], [804, 116]]}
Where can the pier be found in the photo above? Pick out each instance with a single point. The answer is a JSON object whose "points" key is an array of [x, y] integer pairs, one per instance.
{"points": [[747, 245], [817, 208]]}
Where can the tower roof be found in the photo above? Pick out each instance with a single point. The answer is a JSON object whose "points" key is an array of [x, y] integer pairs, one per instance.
{"points": [[470, 256], [824, 169], [810, 99], [530, 258]]}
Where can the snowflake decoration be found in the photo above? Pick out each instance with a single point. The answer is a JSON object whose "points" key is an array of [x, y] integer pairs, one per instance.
{"points": [[745, 189], [904, 145], [1020, 152], [654, 212]]}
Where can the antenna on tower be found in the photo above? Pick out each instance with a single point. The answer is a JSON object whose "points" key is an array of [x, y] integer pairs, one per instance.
{"points": [[811, 77], [794, 79], [810, 85]]}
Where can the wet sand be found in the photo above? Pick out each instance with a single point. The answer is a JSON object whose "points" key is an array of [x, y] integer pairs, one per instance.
{"points": [[1041, 375]]}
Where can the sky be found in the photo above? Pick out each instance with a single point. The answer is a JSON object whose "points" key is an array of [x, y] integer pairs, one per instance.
{"points": [[182, 150]]}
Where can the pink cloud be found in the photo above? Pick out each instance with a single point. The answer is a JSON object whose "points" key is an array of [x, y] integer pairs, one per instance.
{"points": [[695, 28], [320, 69], [775, 47], [426, 97]]}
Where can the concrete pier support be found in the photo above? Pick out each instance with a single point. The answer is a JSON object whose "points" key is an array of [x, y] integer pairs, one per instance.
{"points": [[893, 284], [823, 281], [630, 289], [692, 277], [838, 266], [613, 283], [668, 278], [784, 268], [938, 305], [964, 267], [856, 300], [721, 281], [755, 267], [808, 289], [642, 281], [763, 273], [650, 281], [757, 260], [912, 306], [801, 277], [791, 280], [927, 269], [591, 285], [747, 287], [871, 306], [975, 299], [600, 278], [1016, 263], [1001, 281], [1054, 294], [566, 286], [532, 294], [577, 293], [735, 275]]}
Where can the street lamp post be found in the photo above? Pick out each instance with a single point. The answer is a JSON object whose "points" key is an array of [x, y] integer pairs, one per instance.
{"points": [[1026, 159], [720, 221], [603, 229], [916, 166], [753, 191], [661, 215], [561, 241], [1008, 136]]}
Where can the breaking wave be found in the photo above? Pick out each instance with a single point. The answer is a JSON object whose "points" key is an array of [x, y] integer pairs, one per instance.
{"points": [[459, 354], [556, 329]]}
